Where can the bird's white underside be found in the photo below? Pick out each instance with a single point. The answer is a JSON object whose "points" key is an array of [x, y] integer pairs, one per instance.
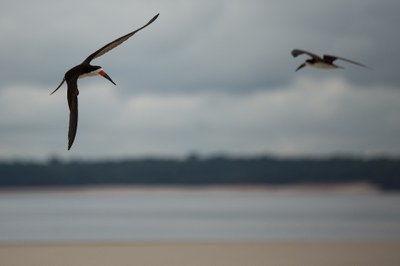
{"points": [[91, 74]]}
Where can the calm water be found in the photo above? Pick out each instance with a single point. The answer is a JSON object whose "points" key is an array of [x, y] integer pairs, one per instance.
{"points": [[129, 216]]}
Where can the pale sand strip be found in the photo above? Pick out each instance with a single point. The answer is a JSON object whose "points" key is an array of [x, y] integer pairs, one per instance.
{"points": [[207, 254]]}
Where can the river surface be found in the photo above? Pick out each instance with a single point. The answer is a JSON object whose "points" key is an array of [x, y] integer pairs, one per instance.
{"points": [[195, 215]]}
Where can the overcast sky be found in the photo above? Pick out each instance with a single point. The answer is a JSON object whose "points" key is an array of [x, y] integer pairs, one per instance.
{"points": [[211, 77]]}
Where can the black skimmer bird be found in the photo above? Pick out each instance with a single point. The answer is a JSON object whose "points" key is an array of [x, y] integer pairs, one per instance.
{"points": [[85, 69], [326, 62]]}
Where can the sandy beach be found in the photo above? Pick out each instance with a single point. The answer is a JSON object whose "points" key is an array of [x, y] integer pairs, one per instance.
{"points": [[207, 254]]}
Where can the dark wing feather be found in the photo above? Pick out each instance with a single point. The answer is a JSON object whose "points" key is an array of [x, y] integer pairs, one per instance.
{"points": [[72, 95], [329, 58], [297, 52], [106, 48], [333, 58]]}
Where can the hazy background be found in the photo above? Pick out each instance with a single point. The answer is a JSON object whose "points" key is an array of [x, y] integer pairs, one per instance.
{"points": [[208, 77]]}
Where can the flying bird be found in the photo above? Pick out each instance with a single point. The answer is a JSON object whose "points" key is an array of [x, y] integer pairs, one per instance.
{"points": [[85, 69], [326, 62]]}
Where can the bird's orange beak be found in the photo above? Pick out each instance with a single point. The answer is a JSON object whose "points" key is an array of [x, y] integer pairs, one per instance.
{"points": [[104, 74]]}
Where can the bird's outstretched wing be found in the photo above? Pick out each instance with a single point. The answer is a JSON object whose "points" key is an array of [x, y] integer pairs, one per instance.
{"points": [[72, 95], [331, 58], [106, 48], [297, 52]]}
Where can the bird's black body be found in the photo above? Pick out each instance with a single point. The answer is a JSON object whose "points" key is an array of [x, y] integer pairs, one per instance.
{"points": [[80, 69], [83, 70]]}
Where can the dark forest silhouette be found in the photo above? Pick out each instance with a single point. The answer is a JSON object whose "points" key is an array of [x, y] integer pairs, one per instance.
{"points": [[223, 170]]}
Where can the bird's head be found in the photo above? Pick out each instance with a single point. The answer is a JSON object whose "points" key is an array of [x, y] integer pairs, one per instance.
{"points": [[96, 70], [101, 72]]}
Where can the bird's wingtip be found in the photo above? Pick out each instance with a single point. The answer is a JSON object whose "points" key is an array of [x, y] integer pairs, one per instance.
{"points": [[151, 20], [70, 142], [365, 66], [295, 52], [155, 17]]}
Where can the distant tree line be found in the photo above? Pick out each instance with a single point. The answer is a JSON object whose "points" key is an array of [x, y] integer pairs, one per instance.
{"points": [[383, 172]]}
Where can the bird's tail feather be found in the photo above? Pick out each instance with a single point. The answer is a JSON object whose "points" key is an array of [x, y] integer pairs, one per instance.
{"points": [[59, 86]]}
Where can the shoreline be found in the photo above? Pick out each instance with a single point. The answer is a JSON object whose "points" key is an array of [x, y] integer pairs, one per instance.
{"points": [[322, 253], [347, 188]]}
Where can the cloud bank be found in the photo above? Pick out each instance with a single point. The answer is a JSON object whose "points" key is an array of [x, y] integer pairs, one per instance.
{"points": [[308, 117]]}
